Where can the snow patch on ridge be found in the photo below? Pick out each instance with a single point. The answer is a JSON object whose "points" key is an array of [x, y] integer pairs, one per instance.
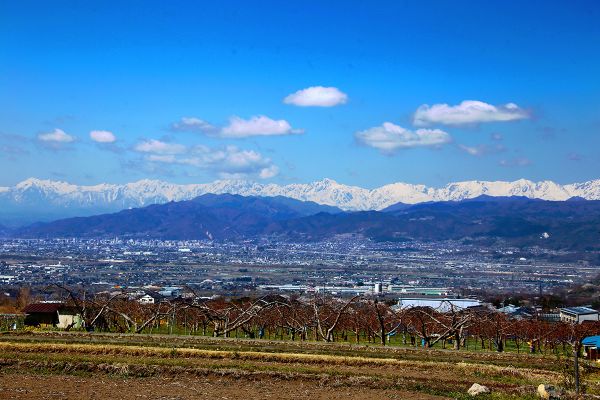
{"points": [[46, 193]]}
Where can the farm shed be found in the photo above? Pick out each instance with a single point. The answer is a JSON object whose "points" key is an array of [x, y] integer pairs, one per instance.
{"points": [[52, 315]]}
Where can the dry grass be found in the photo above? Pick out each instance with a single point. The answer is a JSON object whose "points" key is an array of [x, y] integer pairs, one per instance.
{"points": [[444, 373], [311, 359], [533, 361]]}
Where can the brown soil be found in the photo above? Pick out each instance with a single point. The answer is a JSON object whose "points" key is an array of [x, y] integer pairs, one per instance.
{"points": [[36, 387]]}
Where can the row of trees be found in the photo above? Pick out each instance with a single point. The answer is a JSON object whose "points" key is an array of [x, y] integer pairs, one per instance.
{"points": [[320, 317]]}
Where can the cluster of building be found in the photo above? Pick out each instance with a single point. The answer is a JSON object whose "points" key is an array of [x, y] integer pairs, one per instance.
{"points": [[340, 264]]}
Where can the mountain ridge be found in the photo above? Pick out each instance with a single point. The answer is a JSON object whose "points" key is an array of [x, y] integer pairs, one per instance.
{"points": [[559, 225], [205, 217], [43, 200]]}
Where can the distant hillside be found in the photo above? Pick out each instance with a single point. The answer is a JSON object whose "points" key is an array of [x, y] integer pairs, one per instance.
{"points": [[571, 225], [209, 216], [517, 221]]}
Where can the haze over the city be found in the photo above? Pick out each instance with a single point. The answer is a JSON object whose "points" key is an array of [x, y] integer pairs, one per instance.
{"points": [[365, 94]]}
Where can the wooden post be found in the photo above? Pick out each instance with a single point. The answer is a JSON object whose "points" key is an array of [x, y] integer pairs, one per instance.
{"points": [[576, 365]]}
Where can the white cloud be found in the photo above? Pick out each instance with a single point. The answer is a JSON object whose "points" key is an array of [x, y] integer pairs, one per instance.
{"points": [[192, 124], [515, 162], [56, 136], [390, 137], [237, 128], [467, 112], [241, 160], [317, 96], [472, 150], [269, 172], [256, 126], [229, 161], [163, 158], [103, 136], [158, 147], [482, 149]]}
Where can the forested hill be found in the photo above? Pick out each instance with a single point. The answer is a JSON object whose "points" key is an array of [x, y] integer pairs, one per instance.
{"points": [[571, 225]]}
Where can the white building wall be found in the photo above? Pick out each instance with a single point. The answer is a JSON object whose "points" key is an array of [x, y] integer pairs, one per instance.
{"points": [[68, 320], [589, 317], [570, 318]]}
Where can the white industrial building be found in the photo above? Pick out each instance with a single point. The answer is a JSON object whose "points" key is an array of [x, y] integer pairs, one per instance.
{"points": [[441, 305], [576, 315]]}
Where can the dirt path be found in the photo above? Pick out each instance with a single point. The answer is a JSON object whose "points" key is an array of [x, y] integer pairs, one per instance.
{"points": [[37, 387]]}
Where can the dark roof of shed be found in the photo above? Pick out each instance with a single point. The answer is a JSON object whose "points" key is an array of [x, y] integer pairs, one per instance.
{"points": [[42, 308], [155, 295]]}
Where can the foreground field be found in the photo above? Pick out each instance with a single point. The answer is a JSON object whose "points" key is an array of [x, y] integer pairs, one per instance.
{"points": [[76, 387], [59, 365]]}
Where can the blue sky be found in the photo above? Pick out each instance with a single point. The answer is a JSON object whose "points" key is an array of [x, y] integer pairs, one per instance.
{"points": [[386, 93]]}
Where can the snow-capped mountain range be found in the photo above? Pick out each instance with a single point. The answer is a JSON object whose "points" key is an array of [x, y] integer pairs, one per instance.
{"points": [[35, 199]]}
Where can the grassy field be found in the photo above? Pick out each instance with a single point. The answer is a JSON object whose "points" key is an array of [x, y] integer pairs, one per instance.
{"points": [[145, 366]]}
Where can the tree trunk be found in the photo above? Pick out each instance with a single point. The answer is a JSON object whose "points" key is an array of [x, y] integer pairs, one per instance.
{"points": [[576, 366], [457, 340]]}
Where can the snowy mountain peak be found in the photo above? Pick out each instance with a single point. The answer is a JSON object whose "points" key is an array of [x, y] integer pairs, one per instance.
{"points": [[46, 185], [46, 199], [326, 183], [29, 182]]}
